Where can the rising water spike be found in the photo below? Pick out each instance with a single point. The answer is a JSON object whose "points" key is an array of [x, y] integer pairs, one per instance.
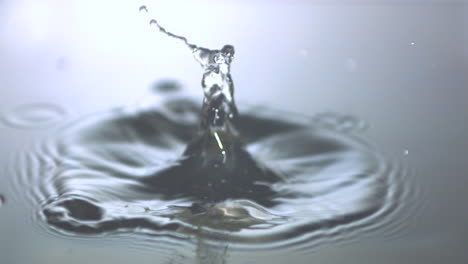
{"points": [[219, 110]]}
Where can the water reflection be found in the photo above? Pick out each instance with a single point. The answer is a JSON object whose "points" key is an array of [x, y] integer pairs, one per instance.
{"points": [[131, 171], [209, 254]]}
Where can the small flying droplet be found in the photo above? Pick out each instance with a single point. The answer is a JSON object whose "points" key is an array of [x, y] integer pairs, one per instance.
{"points": [[412, 43], [406, 152], [143, 9], [167, 86]]}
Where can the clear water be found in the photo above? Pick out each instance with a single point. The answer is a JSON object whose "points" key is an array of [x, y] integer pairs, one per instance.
{"points": [[355, 58], [133, 170], [35, 115], [258, 179]]}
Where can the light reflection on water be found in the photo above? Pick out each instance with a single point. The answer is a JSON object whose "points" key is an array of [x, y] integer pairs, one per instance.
{"points": [[101, 176], [34, 115]]}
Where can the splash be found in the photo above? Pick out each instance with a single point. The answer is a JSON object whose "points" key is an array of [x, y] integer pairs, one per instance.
{"points": [[216, 165], [219, 110], [261, 177]]}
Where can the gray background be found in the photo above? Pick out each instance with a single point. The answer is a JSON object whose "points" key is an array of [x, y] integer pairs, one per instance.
{"points": [[402, 66]]}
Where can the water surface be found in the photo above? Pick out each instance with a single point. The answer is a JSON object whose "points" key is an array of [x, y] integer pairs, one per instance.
{"points": [[128, 171]]}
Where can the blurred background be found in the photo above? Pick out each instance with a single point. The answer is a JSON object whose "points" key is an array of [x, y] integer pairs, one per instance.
{"points": [[401, 66]]}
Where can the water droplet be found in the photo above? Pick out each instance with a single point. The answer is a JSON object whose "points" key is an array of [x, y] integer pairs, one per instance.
{"points": [[406, 152], [35, 115], [143, 9], [153, 22], [2, 200], [412, 43], [166, 86]]}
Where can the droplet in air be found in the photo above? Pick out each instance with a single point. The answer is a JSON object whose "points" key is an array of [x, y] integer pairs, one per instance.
{"points": [[412, 43], [166, 86], [143, 9], [406, 152]]}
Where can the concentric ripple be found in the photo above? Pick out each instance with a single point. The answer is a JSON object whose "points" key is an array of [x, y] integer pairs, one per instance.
{"points": [[91, 178], [34, 115]]}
